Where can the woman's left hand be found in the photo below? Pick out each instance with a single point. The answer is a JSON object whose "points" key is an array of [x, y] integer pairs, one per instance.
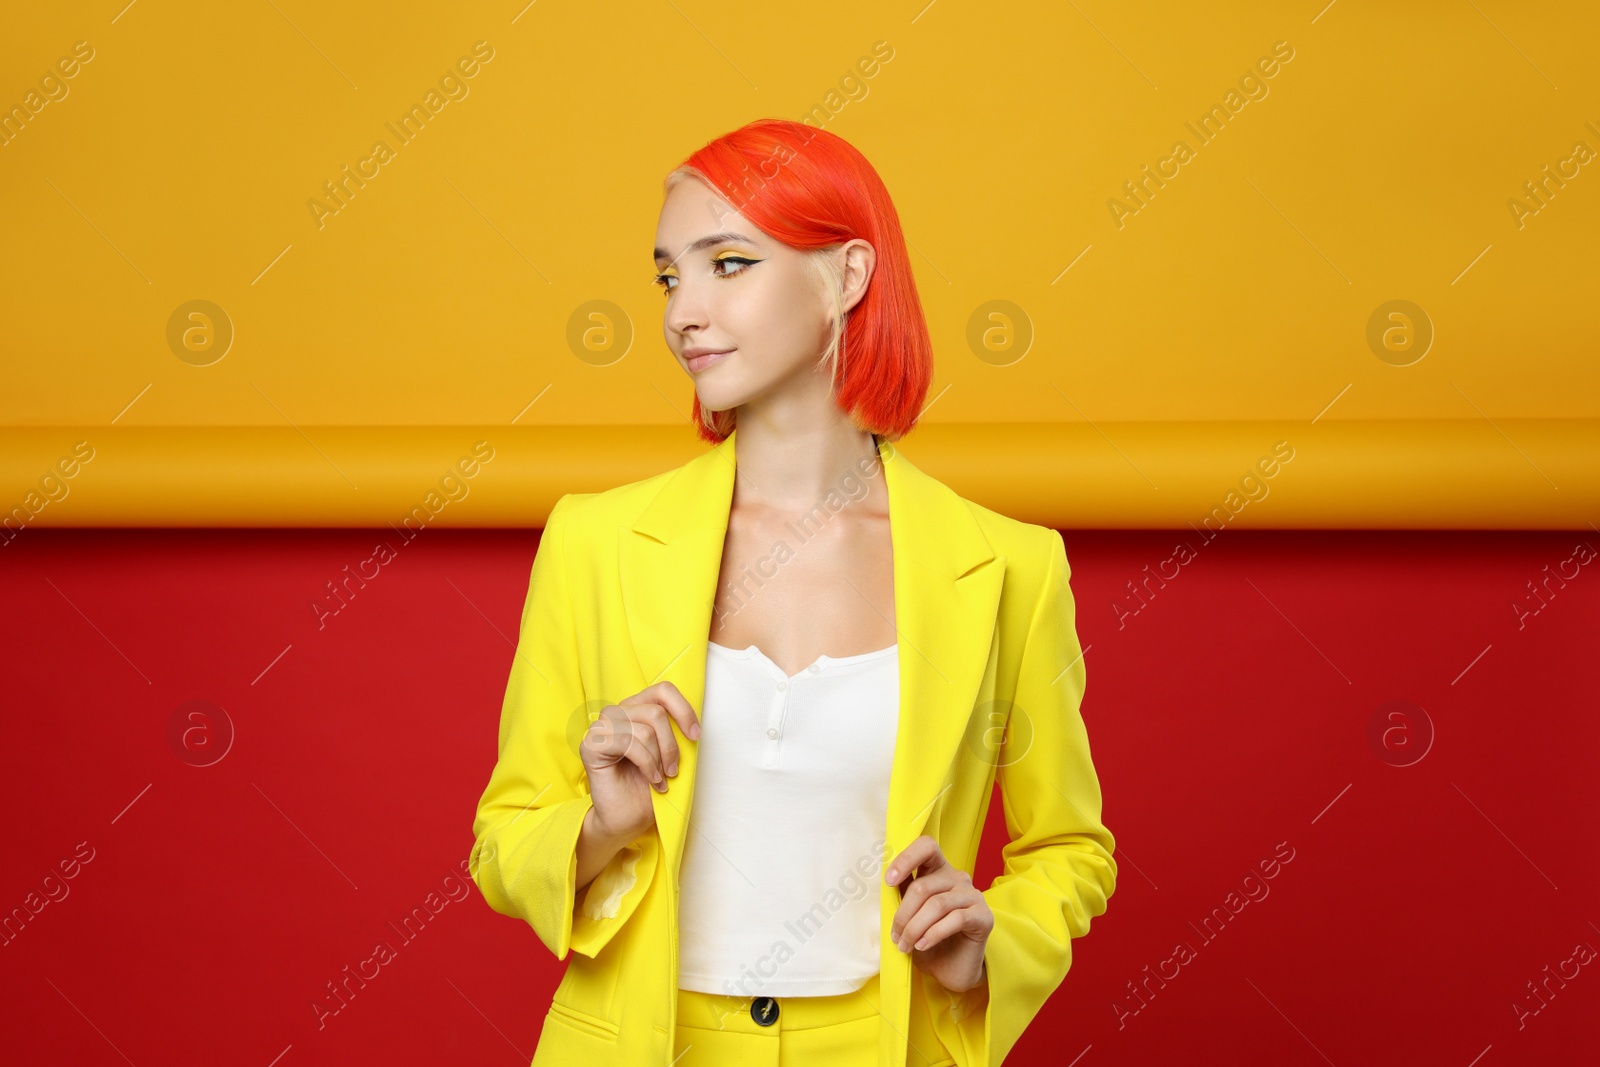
{"points": [[943, 919]]}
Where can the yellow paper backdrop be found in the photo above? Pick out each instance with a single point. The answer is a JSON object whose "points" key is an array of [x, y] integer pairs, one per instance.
{"points": [[1356, 156]]}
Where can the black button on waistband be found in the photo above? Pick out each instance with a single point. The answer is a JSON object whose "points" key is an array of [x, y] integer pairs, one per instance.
{"points": [[764, 1010]]}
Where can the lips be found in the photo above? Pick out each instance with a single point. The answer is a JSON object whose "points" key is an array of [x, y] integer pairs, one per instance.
{"points": [[701, 362]]}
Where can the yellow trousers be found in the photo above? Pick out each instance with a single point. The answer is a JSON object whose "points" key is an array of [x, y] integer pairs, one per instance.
{"points": [[840, 1031]]}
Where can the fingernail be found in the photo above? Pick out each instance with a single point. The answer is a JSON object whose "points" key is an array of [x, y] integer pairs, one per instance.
{"points": [[894, 876], [672, 768], [902, 944], [694, 731]]}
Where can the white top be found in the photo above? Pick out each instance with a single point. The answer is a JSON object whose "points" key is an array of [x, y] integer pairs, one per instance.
{"points": [[787, 837]]}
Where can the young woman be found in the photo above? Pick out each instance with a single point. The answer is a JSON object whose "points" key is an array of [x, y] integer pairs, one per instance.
{"points": [[760, 702]]}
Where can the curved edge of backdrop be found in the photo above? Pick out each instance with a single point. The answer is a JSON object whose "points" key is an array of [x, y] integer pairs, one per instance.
{"points": [[1334, 474]]}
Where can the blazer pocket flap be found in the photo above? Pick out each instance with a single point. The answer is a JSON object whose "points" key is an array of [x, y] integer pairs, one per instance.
{"points": [[589, 1024]]}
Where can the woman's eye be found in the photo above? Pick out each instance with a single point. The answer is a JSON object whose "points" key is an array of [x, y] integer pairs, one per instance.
{"points": [[733, 259], [668, 282]]}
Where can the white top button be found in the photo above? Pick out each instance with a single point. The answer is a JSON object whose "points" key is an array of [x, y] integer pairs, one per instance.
{"points": [[772, 731], [783, 685], [814, 668]]}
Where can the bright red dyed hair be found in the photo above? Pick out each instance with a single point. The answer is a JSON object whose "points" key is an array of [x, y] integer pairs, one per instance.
{"points": [[813, 191]]}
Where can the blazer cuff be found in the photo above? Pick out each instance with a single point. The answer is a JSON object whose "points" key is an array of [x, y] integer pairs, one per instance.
{"points": [[961, 1021], [615, 893]]}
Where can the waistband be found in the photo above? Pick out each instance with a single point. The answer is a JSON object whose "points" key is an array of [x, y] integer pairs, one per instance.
{"points": [[715, 1011]]}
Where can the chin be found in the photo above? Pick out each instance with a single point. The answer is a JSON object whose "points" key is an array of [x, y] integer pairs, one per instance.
{"points": [[721, 391], [717, 400]]}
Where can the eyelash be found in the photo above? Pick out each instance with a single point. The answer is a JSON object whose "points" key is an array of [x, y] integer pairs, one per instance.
{"points": [[666, 290]]}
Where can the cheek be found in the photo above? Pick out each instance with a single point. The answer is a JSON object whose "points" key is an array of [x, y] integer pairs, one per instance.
{"points": [[784, 315]]}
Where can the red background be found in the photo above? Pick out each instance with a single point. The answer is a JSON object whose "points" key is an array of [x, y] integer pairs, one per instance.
{"points": [[1230, 715]]}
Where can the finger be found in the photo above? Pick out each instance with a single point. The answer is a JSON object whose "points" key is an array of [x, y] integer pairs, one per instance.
{"points": [[620, 735], [921, 889], [922, 853], [666, 743], [609, 735], [933, 909], [955, 921], [644, 753], [674, 702], [655, 716]]}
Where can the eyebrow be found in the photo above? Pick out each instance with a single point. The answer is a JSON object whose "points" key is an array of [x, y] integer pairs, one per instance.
{"points": [[707, 242]]}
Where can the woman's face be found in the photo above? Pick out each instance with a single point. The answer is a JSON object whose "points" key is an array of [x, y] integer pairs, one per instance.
{"points": [[732, 289]]}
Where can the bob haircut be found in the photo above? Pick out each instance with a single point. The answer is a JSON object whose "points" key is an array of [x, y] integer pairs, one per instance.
{"points": [[813, 191]]}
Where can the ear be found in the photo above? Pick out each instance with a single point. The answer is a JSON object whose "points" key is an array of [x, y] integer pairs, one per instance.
{"points": [[857, 260]]}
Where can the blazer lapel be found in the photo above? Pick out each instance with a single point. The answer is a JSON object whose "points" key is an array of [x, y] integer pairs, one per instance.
{"points": [[947, 583]]}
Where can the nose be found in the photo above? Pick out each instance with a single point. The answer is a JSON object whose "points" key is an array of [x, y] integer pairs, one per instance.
{"points": [[686, 310]]}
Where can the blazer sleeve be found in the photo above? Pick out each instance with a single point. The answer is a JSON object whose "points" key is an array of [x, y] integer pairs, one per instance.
{"points": [[524, 856], [1058, 866]]}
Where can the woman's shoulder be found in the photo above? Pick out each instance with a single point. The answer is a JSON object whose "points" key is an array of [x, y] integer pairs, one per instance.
{"points": [[1013, 538], [608, 508], [659, 500], [1021, 543]]}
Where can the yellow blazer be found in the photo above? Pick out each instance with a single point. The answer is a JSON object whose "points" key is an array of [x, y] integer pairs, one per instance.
{"points": [[991, 676]]}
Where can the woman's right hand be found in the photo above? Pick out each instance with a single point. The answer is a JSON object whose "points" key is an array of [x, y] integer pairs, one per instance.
{"points": [[629, 750]]}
